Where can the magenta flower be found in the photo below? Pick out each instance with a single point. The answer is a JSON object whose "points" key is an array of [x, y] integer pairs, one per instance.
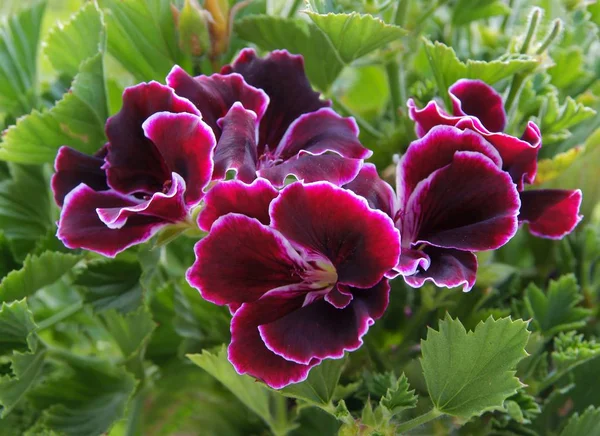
{"points": [[550, 213], [302, 270], [270, 123], [151, 173]]}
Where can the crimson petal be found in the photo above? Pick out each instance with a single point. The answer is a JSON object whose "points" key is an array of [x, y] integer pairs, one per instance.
{"points": [[412, 261], [449, 268], [469, 204], [551, 213], [361, 243], [186, 145], [478, 99], [379, 194], [281, 75], [73, 167], [134, 163], [241, 259], [215, 94], [80, 227]]}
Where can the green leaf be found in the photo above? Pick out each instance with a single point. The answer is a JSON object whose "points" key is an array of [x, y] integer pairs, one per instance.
{"points": [[299, 37], [399, 397], [84, 396], [37, 272], [77, 120], [142, 37], [25, 208], [466, 11], [67, 45], [556, 119], [587, 424], [16, 324], [354, 35], [19, 37], [468, 373], [111, 284], [131, 332], [556, 310], [571, 350], [320, 385]]}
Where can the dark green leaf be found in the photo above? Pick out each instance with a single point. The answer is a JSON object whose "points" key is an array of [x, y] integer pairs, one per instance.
{"points": [[131, 332], [16, 324], [571, 349], [587, 424], [399, 397]]}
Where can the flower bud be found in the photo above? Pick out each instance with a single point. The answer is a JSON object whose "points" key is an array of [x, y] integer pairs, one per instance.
{"points": [[193, 27], [219, 25]]}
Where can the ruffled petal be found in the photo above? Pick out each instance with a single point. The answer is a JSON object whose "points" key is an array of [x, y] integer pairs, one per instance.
{"points": [[281, 75], [478, 99], [241, 259], [73, 167], [470, 204], [321, 131], [247, 351], [186, 145], [307, 167], [134, 163], [434, 151], [430, 116], [551, 213], [412, 261], [319, 330], [449, 268], [80, 227], [234, 196], [378, 193], [361, 243], [236, 149], [215, 94], [169, 207]]}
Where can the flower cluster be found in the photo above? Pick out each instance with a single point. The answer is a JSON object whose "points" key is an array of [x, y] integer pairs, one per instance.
{"points": [[303, 265]]}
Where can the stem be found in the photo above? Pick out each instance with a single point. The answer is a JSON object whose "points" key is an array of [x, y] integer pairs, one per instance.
{"points": [[60, 316], [279, 426], [507, 17], [133, 426], [362, 123], [400, 12], [556, 30], [531, 28], [419, 420], [294, 8], [393, 75], [515, 88]]}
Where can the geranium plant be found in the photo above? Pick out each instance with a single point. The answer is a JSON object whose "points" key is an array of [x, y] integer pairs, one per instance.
{"points": [[276, 217]]}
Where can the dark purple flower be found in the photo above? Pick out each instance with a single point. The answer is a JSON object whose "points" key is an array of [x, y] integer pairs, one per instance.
{"points": [[302, 270], [270, 123], [453, 199], [151, 173], [478, 107]]}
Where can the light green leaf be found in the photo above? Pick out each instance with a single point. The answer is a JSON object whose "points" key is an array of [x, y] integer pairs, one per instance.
{"points": [[571, 350], [84, 396], [468, 373], [556, 119], [556, 310], [19, 37], [37, 271], [587, 424], [77, 120], [354, 35], [112, 284], [399, 397], [16, 324], [298, 37], [67, 45], [466, 11], [320, 385], [568, 67], [131, 332], [142, 37]]}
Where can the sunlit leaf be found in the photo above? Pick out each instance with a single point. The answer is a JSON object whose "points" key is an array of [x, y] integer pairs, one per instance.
{"points": [[466, 11]]}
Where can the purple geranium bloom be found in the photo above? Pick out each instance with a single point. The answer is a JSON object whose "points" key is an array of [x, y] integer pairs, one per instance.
{"points": [[551, 213], [302, 270], [151, 173], [453, 199], [270, 123]]}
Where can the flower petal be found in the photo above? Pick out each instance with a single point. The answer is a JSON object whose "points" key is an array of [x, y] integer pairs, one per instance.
{"points": [[186, 145], [449, 268], [435, 150], [478, 99], [80, 227], [168, 207], [234, 196], [215, 94], [73, 167], [321, 331], [281, 75], [307, 167], [247, 351], [378, 193], [241, 259], [551, 213], [134, 163], [412, 261], [236, 148], [469, 204], [321, 131], [361, 243]]}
